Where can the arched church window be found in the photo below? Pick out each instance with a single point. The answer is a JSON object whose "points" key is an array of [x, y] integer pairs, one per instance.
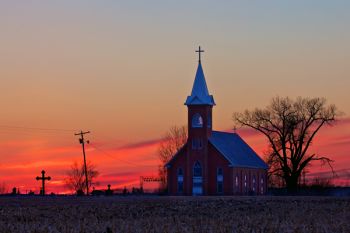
{"points": [[197, 169], [262, 185], [180, 181], [219, 180], [254, 183], [197, 121]]}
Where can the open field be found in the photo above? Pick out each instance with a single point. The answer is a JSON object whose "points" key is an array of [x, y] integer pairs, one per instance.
{"points": [[174, 214]]}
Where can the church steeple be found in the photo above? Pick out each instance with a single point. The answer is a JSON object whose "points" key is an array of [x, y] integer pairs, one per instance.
{"points": [[200, 94]]}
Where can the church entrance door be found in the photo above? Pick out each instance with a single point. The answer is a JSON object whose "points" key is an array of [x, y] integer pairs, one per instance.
{"points": [[197, 186], [197, 180]]}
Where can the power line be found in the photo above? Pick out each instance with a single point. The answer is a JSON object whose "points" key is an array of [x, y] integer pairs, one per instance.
{"points": [[34, 128], [57, 130], [113, 157], [28, 132]]}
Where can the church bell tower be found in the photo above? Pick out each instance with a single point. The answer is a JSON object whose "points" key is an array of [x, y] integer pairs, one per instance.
{"points": [[200, 104]]}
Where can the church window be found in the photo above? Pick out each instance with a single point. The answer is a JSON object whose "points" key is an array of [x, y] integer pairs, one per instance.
{"points": [[219, 180], [219, 171], [236, 181], [197, 143], [197, 169], [254, 184], [262, 185], [197, 121], [245, 183], [180, 180]]}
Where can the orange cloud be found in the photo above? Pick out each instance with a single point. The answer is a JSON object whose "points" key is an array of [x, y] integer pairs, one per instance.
{"points": [[123, 165]]}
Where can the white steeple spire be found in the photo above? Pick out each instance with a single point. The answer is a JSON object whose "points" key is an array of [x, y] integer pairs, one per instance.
{"points": [[200, 94]]}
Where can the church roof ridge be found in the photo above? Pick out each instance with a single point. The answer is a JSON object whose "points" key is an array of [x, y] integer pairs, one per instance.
{"points": [[236, 150], [217, 131]]}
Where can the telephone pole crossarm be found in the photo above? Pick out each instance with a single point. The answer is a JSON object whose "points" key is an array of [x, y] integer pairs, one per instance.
{"points": [[82, 142]]}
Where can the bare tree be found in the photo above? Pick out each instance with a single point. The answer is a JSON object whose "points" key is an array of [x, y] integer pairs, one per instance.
{"points": [[172, 142], [75, 179], [290, 127]]}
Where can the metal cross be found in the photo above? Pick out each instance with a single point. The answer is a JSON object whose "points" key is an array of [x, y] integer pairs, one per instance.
{"points": [[199, 51], [43, 178]]}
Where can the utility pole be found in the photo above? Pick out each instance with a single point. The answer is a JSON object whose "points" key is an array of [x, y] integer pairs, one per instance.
{"points": [[82, 142]]}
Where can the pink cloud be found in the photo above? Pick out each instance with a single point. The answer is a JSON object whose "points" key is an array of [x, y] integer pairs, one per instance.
{"points": [[141, 144], [123, 165]]}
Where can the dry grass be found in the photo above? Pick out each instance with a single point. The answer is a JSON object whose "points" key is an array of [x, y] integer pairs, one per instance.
{"points": [[175, 214]]}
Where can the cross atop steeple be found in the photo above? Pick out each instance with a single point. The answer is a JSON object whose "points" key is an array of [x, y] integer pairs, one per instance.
{"points": [[199, 51]]}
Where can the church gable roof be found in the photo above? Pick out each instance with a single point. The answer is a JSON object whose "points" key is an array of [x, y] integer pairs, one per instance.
{"points": [[236, 150], [200, 94], [181, 150]]}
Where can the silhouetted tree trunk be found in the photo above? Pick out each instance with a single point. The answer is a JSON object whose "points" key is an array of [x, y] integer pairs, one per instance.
{"points": [[172, 142], [3, 188], [75, 179], [290, 127]]}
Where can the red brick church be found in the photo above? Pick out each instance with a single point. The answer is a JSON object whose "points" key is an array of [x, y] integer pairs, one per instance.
{"points": [[213, 162]]}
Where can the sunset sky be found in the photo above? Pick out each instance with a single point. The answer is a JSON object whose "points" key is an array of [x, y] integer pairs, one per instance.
{"points": [[123, 69]]}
